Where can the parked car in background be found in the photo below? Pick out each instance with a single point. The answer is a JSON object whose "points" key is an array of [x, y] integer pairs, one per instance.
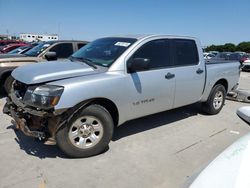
{"points": [[6, 42], [231, 56], [208, 55], [238, 56], [20, 50], [246, 65], [77, 104], [44, 51], [213, 52], [222, 56], [245, 58], [11, 47]]}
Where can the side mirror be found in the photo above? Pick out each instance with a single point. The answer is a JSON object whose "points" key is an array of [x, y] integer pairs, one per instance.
{"points": [[50, 56], [138, 64]]}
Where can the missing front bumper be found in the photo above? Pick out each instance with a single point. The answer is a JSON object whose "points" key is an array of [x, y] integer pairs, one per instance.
{"points": [[20, 123], [38, 124]]}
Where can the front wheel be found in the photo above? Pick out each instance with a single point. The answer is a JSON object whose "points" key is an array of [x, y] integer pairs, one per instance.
{"points": [[215, 100], [8, 84], [88, 132]]}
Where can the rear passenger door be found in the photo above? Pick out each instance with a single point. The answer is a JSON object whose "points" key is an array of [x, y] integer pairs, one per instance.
{"points": [[152, 90], [189, 72], [63, 50]]}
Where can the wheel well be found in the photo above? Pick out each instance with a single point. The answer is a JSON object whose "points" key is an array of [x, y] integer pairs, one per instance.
{"points": [[222, 82], [4, 76], [110, 106]]}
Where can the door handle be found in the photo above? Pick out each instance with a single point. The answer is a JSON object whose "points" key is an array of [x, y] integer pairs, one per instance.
{"points": [[199, 71], [169, 76]]}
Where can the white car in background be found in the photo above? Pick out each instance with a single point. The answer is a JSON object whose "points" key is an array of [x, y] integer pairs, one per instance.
{"points": [[246, 65], [207, 55], [231, 168], [213, 52]]}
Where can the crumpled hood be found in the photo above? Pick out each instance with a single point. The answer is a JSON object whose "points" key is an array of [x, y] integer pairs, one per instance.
{"points": [[50, 71]]}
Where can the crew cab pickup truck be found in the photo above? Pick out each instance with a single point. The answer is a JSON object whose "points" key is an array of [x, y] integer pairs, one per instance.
{"points": [[45, 51], [77, 104]]}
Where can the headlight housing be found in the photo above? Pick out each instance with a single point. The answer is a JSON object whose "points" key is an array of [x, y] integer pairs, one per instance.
{"points": [[44, 97]]}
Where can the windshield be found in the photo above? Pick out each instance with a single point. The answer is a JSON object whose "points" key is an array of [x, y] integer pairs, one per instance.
{"points": [[104, 51], [37, 49], [18, 50]]}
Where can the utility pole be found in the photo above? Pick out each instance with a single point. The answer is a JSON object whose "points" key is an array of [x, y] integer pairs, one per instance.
{"points": [[58, 30]]}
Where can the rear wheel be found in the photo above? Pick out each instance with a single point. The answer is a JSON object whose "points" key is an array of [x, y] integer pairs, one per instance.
{"points": [[88, 133], [215, 101]]}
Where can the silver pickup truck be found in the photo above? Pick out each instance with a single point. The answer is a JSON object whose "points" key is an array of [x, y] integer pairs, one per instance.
{"points": [[77, 104]]}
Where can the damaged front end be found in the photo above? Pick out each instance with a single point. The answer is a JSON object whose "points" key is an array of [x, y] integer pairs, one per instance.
{"points": [[32, 120]]}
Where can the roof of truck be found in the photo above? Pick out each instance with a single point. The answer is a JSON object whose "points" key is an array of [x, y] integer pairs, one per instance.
{"points": [[141, 36]]}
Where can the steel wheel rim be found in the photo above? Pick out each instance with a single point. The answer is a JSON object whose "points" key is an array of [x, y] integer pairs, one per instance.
{"points": [[86, 132], [218, 100]]}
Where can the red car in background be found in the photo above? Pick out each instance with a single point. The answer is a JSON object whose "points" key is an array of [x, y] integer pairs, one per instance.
{"points": [[6, 42], [10, 47]]}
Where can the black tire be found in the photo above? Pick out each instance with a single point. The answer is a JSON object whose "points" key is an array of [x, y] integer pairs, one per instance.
{"points": [[208, 107], [66, 145], [8, 84]]}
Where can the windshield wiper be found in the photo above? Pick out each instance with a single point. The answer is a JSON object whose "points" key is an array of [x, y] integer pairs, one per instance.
{"points": [[87, 61]]}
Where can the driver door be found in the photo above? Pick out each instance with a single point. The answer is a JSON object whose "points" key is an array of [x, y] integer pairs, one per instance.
{"points": [[152, 90]]}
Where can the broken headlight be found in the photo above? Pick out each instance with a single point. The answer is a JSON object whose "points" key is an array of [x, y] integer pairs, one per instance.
{"points": [[44, 97]]}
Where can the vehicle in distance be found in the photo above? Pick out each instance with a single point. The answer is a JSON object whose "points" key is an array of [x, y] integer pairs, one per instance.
{"points": [[232, 56], [77, 104], [238, 56], [6, 42], [213, 52], [222, 56], [10, 47], [45, 51], [20, 50], [246, 65], [207, 55]]}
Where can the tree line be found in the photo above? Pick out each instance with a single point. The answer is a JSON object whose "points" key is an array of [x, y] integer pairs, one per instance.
{"points": [[230, 47]]}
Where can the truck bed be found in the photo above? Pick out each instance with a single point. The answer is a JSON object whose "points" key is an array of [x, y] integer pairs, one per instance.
{"points": [[220, 69]]}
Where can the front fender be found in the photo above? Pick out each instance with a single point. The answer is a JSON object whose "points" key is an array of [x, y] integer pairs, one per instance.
{"points": [[113, 87]]}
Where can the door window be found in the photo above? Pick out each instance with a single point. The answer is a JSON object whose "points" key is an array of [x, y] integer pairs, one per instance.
{"points": [[63, 50], [185, 52], [79, 45], [157, 51]]}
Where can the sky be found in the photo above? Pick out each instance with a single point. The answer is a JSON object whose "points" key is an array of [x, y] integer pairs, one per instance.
{"points": [[213, 21]]}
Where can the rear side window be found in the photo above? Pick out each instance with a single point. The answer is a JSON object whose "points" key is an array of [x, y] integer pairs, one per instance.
{"points": [[185, 52], [63, 50], [79, 45], [158, 51]]}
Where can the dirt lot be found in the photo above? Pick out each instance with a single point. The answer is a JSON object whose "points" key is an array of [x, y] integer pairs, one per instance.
{"points": [[161, 150]]}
